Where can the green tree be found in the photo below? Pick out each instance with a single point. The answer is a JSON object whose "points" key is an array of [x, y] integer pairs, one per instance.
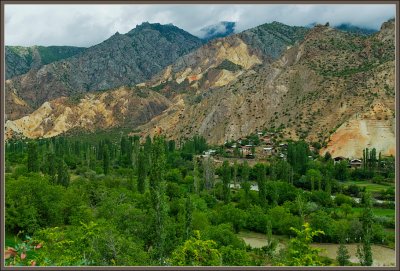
{"points": [[188, 217], [50, 166], [196, 252], [63, 177], [245, 171], [261, 181], [106, 160], [364, 252], [141, 171], [33, 157], [226, 180], [208, 170], [342, 255], [157, 192], [341, 171], [299, 251], [314, 175]]}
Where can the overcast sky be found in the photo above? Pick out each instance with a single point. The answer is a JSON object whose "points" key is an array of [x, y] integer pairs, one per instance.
{"points": [[86, 25]]}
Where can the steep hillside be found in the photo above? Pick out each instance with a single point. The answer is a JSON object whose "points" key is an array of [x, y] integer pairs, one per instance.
{"points": [[123, 107], [330, 86], [312, 90], [123, 59], [221, 61], [20, 60]]}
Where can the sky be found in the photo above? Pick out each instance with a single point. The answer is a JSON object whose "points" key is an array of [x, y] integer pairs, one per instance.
{"points": [[87, 25]]}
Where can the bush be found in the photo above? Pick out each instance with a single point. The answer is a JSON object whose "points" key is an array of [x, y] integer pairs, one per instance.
{"points": [[343, 199]]}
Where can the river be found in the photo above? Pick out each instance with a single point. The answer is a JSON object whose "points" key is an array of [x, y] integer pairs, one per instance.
{"points": [[382, 256]]}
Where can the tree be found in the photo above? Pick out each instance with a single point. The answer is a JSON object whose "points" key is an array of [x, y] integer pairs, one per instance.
{"points": [[314, 175], [208, 170], [340, 171], [157, 192], [245, 171], [297, 156], [299, 251], [342, 255], [106, 160], [327, 156], [364, 252], [188, 217], [196, 176], [196, 252], [50, 167], [33, 157], [63, 177], [261, 179], [226, 179], [142, 172]]}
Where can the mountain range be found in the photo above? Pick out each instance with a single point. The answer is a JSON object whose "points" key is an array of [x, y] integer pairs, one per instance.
{"points": [[319, 84]]}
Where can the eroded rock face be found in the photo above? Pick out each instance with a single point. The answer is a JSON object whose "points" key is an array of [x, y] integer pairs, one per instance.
{"points": [[123, 59], [124, 107], [372, 129], [331, 87], [311, 90]]}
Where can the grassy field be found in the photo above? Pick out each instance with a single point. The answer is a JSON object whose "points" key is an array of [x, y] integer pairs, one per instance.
{"points": [[371, 187], [377, 211]]}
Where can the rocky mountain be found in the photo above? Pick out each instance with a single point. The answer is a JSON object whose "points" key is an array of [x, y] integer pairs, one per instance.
{"points": [[20, 60], [123, 59], [122, 107], [219, 30], [314, 91], [322, 85], [221, 61]]}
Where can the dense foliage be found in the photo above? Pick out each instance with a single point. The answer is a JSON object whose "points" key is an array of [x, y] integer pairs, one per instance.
{"points": [[131, 201]]}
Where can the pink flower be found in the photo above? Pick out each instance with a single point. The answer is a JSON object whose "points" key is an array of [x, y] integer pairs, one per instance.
{"points": [[23, 256], [33, 263]]}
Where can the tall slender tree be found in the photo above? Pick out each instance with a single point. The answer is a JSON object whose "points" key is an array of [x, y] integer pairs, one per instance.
{"points": [[33, 157], [157, 192], [141, 172], [226, 180], [106, 160], [188, 217], [364, 252]]}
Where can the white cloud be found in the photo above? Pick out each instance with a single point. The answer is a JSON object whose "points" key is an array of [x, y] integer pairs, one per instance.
{"points": [[86, 25]]}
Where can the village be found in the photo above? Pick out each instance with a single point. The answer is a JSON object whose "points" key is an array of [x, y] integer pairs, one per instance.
{"points": [[263, 147]]}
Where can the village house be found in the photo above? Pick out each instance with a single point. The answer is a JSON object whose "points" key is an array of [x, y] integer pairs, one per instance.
{"points": [[338, 159], [247, 151], [268, 151], [355, 163]]}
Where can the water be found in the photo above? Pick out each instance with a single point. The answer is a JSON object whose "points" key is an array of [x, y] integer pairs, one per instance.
{"points": [[382, 256]]}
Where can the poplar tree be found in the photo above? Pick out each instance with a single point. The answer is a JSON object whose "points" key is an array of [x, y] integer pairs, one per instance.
{"points": [[63, 177], [141, 170], [106, 160], [33, 157], [364, 252], [261, 181], [157, 192], [226, 179], [188, 217]]}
